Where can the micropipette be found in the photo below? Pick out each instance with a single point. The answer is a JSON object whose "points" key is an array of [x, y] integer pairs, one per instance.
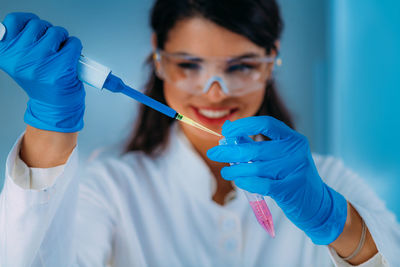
{"points": [[99, 76]]}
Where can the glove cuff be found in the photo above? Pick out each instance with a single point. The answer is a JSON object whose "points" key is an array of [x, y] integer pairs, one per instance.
{"points": [[54, 118], [333, 215]]}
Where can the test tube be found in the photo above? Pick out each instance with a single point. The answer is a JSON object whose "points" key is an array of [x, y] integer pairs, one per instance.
{"points": [[257, 201]]}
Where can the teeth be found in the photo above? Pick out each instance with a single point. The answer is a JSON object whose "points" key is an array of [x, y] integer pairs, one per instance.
{"points": [[214, 114]]}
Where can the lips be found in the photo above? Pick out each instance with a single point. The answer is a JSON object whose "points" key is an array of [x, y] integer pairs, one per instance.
{"points": [[213, 116]]}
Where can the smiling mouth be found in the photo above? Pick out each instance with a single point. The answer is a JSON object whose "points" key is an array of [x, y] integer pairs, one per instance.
{"points": [[214, 115]]}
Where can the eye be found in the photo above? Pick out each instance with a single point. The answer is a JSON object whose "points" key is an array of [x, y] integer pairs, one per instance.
{"points": [[189, 66], [242, 67]]}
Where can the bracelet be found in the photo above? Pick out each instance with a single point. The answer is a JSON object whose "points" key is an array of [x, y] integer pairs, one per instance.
{"points": [[360, 245]]}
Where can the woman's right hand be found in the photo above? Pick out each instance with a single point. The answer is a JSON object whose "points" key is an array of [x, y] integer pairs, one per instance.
{"points": [[43, 60]]}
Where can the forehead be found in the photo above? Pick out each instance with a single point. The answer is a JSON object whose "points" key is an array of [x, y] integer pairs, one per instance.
{"points": [[202, 37]]}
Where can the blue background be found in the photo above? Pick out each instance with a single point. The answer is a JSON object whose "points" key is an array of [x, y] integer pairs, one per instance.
{"points": [[340, 78]]}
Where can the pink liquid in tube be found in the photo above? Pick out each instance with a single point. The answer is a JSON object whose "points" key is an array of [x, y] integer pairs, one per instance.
{"points": [[263, 216], [257, 201]]}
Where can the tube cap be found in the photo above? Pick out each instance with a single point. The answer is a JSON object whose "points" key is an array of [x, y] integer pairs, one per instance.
{"points": [[92, 72]]}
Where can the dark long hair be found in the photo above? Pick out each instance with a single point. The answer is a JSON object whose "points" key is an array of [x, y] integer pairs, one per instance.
{"points": [[258, 20]]}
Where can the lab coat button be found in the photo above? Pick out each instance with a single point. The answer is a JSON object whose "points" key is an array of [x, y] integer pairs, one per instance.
{"points": [[231, 244], [229, 224]]}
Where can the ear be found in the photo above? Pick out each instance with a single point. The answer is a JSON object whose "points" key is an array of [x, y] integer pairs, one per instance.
{"points": [[154, 46], [275, 52], [154, 41], [278, 45], [278, 48]]}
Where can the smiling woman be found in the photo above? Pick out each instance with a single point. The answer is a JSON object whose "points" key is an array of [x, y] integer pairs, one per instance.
{"points": [[202, 52], [172, 198]]}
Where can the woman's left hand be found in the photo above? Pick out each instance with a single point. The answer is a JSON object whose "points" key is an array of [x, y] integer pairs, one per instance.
{"points": [[283, 169]]}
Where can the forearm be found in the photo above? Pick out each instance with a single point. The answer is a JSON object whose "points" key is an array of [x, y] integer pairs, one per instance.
{"points": [[45, 149], [349, 239]]}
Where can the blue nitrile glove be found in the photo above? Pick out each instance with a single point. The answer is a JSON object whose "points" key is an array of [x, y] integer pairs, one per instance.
{"points": [[42, 59], [283, 169]]}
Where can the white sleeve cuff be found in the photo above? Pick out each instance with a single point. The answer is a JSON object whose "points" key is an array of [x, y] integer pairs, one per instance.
{"points": [[376, 261], [32, 178]]}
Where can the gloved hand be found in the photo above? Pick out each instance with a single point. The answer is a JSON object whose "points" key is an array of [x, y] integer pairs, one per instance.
{"points": [[283, 169], [42, 59]]}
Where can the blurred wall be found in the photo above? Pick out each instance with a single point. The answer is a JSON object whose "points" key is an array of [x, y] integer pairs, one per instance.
{"points": [[365, 79], [302, 79]]}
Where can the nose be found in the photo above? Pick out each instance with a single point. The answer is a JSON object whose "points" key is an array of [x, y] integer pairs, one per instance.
{"points": [[215, 92]]}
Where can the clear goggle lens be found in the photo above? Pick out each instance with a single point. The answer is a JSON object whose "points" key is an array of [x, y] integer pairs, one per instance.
{"points": [[237, 76]]}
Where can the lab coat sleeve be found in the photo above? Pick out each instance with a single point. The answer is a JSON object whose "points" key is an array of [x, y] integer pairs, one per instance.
{"points": [[51, 226], [34, 178], [381, 223]]}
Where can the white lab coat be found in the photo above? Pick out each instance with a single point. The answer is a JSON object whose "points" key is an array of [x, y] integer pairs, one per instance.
{"points": [[137, 211]]}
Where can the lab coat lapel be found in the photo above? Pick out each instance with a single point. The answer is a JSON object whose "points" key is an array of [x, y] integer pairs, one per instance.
{"points": [[186, 167]]}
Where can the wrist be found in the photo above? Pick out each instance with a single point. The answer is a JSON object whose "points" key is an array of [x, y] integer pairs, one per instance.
{"points": [[45, 149], [350, 239]]}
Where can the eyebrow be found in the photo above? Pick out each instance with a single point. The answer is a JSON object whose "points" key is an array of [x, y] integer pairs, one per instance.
{"points": [[233, 58], [247, 55]]}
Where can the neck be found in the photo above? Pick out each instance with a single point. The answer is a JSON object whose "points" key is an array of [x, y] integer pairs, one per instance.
{"points": [[202, 145]]}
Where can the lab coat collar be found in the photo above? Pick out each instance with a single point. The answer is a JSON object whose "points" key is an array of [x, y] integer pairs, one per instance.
{"points": [[187, 167]]}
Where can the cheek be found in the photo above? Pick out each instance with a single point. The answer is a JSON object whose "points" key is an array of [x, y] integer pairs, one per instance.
{"points": [[175, 98], [252, 103]]}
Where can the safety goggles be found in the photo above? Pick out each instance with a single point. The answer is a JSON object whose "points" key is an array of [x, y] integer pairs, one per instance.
{"points": [[236, 76]]}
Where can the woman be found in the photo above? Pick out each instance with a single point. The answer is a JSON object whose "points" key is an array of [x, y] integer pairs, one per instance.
{"points": [[170, 200]]}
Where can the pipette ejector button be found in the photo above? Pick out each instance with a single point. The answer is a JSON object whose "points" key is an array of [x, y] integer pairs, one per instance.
{"points": [[2, 31]]}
